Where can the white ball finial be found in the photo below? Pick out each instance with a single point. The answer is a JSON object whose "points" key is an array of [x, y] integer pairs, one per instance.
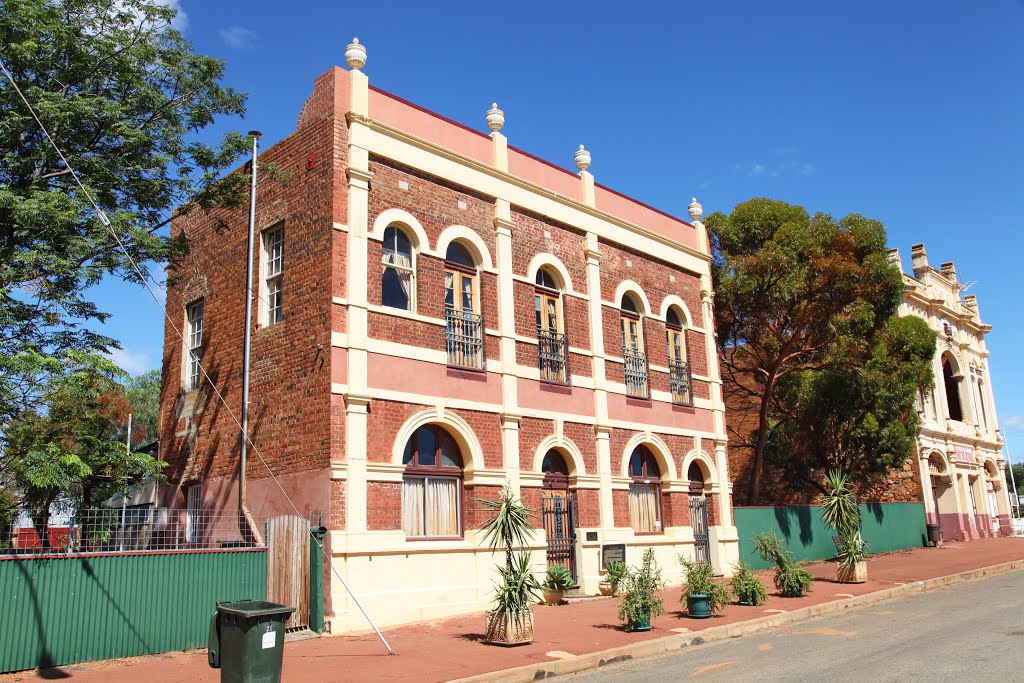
{"points": [[695, 210], [495, 118], [355, 55], [582, 158]]}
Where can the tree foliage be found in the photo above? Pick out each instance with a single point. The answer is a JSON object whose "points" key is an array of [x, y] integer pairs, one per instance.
{"points": [[795, 295], [143, 395]]}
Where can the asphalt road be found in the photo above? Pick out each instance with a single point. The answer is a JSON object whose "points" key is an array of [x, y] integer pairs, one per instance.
{"points": [[971, 632]]}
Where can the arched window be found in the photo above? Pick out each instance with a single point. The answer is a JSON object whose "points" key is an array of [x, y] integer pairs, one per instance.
{"points": [[398, 280], [696, 477], [678, 368], [644, 492], [464, 336], [634, 358], [556, 472], [951, 383], [551, 348], [431, 487]]}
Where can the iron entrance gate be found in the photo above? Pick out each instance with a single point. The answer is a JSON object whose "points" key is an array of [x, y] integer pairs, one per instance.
{"points": [[699, 522], [560, 527]]}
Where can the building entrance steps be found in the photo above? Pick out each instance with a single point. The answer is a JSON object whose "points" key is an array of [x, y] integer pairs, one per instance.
{"points": [[448, 649]]}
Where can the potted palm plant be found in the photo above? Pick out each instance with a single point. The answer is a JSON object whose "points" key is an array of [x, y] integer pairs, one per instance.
{"points": [[748, 589], [703, 596], [615, 573], [511, 621], [791, 578], [840, 511], [641, 600], [557, 581]]}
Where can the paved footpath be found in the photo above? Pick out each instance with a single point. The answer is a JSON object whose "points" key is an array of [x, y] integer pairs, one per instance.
{"points": [[448, 649]]}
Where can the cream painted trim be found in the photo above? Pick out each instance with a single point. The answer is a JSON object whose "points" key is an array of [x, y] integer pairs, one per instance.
{"points": [[384, 471], [339, 226], [339, 339], [339, 388], [692, 328], [542, 259], [339, 300], [475, 242], [526, 281], [404, 219], [384, 140], [532, 373], [456, 426], [382, 347], [339, 470], [634, 288], [674, 300], [657, 446], [532, 341], [564, 444], [704, 459]]}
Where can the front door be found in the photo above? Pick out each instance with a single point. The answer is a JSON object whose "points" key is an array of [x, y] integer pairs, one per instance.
{"points": [[560, 527], [699, 522]]}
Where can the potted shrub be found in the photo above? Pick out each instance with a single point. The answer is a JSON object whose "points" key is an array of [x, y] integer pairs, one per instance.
{"points": [[557, 581], [791, 578], [641, 601], [840, 511], [748, 589], [703, 596], [511, 621], [615, 572]]}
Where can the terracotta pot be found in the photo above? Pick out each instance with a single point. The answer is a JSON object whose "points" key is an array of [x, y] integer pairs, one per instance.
{"points": [[509, 628], [858, 573], [605, 587], [553, 596]]}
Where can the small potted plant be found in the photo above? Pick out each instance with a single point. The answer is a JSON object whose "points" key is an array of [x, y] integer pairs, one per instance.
{"points": [[641, 600], [748, 589], [557, 581], [615, 572], [511, 621], [791, 578], [703, 596], [840, 511]]}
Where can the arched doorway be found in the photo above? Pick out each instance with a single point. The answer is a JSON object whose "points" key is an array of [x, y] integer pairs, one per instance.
{"points": [[943, 498], [699, 514], [558, 512]]}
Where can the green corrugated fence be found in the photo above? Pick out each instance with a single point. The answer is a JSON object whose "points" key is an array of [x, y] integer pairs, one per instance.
{"points": [[886, 526], [63, 610]]}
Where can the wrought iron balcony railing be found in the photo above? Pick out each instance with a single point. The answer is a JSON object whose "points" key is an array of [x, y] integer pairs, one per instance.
{"points": [[552, 356], [679, 382], [636, 373], [464, 339]]}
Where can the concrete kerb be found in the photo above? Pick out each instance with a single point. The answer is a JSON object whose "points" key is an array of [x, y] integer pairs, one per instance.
{"points": [[650, 648]]}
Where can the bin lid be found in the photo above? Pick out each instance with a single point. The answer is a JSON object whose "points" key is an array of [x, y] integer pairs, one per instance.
{"points": [[253, 608]]}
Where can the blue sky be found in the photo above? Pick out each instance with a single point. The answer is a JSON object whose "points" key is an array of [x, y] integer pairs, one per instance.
{"points": [[907, 112]]}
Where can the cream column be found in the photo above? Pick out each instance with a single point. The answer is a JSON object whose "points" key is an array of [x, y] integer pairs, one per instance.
{"points": [[602, 430], [503, 227], [357, 401]]}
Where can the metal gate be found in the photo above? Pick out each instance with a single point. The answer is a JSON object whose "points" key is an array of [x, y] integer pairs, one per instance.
{"points": [[288, 567], [699, 522], [559, 513]]}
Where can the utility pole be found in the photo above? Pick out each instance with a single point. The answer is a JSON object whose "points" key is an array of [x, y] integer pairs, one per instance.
{"points": [[244, 459], [124, 494]]}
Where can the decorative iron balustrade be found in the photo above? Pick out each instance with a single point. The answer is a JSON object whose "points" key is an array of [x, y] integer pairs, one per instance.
{"points": [[635, 368], [679, 382], [552, 356], [464, 339]]}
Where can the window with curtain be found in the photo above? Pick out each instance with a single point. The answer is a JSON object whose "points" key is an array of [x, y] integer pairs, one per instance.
{"points": [[398, 275], [432, 486], [633, 356], [464, 334], [644, 492], [552, 357]]}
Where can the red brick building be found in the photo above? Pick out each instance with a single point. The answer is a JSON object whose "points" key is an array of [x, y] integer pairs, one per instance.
{"points": [[439, 315]]}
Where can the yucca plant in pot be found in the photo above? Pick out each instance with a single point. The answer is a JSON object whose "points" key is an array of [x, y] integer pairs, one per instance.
{"points": [[556, 582], [840, 511], [641, 600], [748, 589], [615, 574], [702, 595], [511, 621]]}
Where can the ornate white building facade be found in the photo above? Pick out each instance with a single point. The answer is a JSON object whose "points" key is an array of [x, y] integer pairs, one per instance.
{"points": [[959, 448]]}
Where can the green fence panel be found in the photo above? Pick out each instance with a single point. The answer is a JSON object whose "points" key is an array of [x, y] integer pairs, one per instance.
{"points": [[63, 610], [886, 526]]}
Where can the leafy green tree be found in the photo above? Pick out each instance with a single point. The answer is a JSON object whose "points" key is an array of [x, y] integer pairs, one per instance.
{"points": [[143, 394], [65, 447], [793, 293], [124, 95], [857, 415], [1018, 476]]}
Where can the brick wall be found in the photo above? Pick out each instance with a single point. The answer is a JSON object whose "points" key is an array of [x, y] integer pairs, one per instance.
{"points": [[383, 505], [588, 508]]}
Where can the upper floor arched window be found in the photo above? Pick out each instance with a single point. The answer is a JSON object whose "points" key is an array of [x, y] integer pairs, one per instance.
{"points": [[951, 383], [464, 334], [634, 358], [678, 367], [398, 278], [551, 349]]}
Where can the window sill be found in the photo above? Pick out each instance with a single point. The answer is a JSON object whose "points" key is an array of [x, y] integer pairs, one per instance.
{"points": [[417, 539], [466, 369]]}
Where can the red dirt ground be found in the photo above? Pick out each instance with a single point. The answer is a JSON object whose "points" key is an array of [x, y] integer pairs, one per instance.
{"points": [[450, 648]]}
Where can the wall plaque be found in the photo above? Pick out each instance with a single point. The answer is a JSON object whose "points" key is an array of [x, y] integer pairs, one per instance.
{"points": [[613, 552]]}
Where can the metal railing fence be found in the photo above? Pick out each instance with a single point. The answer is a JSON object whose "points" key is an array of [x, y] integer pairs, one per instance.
{"points": [[679, 381], [635, 369], [552, 358], [464, 338]]}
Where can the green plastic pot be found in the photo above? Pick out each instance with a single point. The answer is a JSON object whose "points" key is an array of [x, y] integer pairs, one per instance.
{"points": [[643, 624], [698, 606]]}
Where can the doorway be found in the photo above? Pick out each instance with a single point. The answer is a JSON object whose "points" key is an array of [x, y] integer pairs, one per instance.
{"points": [[558, 511]]}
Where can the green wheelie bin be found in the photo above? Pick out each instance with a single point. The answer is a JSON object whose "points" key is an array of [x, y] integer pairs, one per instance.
{"points": [[247, 641]]}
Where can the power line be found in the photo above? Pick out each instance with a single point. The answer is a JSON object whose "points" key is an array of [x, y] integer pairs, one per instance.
{"points": [[131, 261]]}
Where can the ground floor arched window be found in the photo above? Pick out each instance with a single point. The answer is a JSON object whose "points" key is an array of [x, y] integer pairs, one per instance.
{"points": [[644, 492], [432, 485]]}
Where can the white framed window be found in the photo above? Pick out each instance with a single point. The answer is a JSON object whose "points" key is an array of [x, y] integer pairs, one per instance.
{"points": [[194, 341], [193, 512], [273, 274]]}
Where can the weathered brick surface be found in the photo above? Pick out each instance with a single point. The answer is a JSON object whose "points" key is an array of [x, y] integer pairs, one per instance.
{"points": [[588, 508], [565, 243], [531, 432], [475, 513], [383, 422], [383, 505], [337, 507], [583, 436], [620, 507]]}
